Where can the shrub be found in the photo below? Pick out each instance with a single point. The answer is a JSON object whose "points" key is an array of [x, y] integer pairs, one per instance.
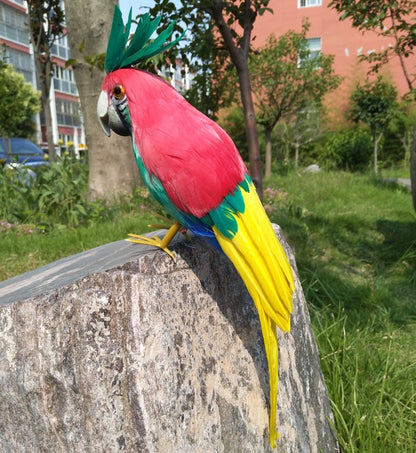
{"points": [[348, 150], [56, 195], [61, 191]]}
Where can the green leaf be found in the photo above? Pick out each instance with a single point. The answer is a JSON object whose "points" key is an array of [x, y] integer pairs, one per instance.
{"points": [[261, 11], [70, 62]]}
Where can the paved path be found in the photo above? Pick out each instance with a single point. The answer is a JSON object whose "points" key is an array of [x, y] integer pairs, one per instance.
{"points": [[400, 181]]}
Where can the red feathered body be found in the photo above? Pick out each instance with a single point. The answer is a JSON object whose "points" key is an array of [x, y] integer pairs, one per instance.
{"points": [[194, 159]]}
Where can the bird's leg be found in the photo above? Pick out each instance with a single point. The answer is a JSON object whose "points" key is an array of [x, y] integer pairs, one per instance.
{"points": [[156, 241], [167, 225]]}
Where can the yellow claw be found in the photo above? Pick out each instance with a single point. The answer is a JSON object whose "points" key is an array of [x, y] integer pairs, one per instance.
{"points": [[156, 241]]}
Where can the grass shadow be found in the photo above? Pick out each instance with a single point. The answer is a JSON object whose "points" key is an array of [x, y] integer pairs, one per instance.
{"points": [[364, 266]]}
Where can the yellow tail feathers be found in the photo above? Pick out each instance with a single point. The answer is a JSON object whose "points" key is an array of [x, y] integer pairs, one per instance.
{"points": [[261, 262]]}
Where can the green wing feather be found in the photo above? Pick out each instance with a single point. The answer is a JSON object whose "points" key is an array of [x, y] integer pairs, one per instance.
{"points": [[224, 217]]}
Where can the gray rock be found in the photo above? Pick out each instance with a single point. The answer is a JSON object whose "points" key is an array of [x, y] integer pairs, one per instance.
{"points": [[314, 168], [149, 354], [404, 182]]}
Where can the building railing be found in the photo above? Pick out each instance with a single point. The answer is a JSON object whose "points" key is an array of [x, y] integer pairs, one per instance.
{"points": [[65, 86]]}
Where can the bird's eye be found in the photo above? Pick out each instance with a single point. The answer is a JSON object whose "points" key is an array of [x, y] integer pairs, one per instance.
{"points": [[119, 92]]}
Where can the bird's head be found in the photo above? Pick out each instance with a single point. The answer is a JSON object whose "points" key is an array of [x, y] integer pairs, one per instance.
{"points": [[112, 108]]}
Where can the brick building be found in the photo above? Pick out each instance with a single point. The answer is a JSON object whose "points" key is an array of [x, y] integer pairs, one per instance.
{"points": [[331, 36]]}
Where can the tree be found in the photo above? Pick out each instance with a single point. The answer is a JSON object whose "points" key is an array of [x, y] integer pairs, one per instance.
{"points": [[348, 149], [393, 18], [231, 23], [401, 127], [302, 128], [19, 102], [215, 83], [233, 123], [287, 78], [45, 27], [111, 163], [375, 104]]}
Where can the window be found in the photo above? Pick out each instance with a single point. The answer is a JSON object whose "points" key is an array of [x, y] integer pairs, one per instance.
{"points": [[314, 45], [306, 3], [312, 51], [13, 25], [66, 138], [68, 113], [21, 62], [60, 48], [63, 80]]}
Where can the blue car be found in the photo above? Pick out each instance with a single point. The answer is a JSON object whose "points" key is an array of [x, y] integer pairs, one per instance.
{"points": [[21, 151]]}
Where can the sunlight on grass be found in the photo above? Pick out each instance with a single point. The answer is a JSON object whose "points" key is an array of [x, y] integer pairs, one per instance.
{"points": [[23, 252], [355, 244], [370, 378]]}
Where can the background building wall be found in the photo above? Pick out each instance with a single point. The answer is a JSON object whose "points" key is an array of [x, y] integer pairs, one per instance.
{"points": [[338, 38]]}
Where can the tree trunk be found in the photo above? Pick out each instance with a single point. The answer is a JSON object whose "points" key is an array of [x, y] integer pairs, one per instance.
{"points": [[413, 168], [406, 141], [376, 141], [251, 126], [113, 171], [268, 160], [239, 57], [297, 146], [46, 107], [44, 79]]}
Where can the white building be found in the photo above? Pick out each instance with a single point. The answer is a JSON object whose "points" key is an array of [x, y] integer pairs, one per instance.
{"points": [[65, 105]]}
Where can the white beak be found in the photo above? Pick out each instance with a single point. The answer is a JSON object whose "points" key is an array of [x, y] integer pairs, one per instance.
{"points": [[102, 113]]}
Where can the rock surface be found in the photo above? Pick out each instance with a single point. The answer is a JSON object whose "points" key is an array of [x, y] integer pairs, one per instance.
{"points": [[313, 168], [403, 182], [122, 349]]}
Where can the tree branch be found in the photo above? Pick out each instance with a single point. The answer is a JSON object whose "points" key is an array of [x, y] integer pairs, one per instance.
{"points": [[217, 14]]}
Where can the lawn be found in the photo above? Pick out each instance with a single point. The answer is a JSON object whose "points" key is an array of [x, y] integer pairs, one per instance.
{"points": [[354, 239], [22, 249]]}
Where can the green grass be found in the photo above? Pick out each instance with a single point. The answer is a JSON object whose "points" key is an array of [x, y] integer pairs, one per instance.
{"points": [[395, 172], [354, 239], [355, 244], [369, 368]]}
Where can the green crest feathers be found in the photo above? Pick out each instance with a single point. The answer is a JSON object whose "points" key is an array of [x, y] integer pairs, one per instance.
{"points": [[139, 49]]}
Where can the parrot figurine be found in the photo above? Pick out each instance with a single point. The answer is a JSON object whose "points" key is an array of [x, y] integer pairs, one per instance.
{"points": [[193, 169]]}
